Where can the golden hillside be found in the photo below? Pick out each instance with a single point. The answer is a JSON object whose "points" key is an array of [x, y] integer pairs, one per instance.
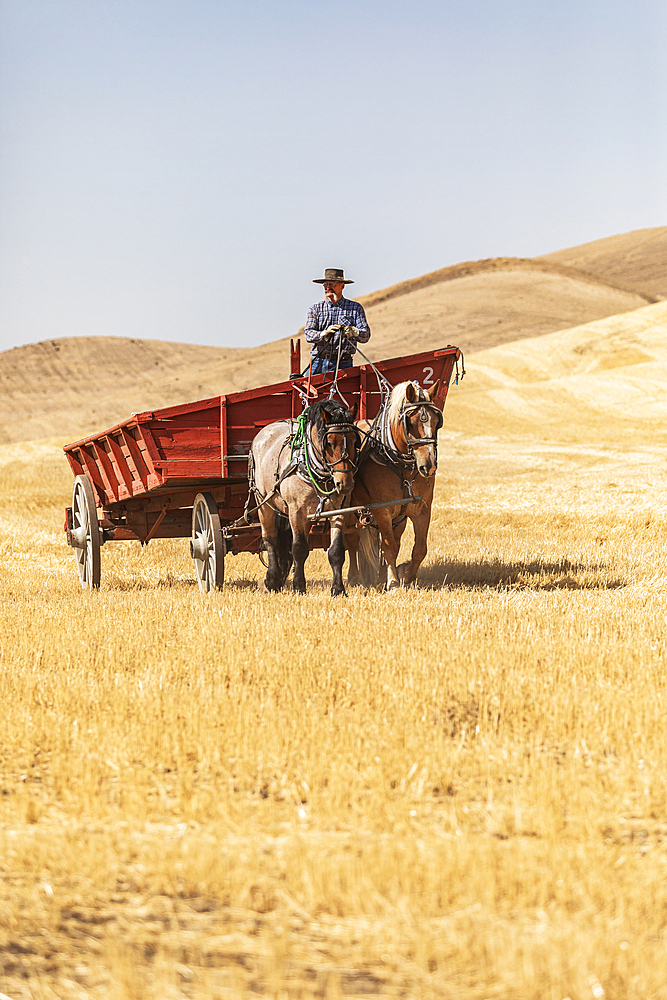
{"points": [[603, 381], [74, 386], [489, 302], [636, 261]]}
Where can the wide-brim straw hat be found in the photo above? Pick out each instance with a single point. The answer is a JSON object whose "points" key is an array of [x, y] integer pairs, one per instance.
{"points": [[333, 274]]}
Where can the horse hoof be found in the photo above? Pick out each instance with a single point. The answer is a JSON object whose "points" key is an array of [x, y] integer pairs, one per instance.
{"points": [[338, 592], [393, 586]]}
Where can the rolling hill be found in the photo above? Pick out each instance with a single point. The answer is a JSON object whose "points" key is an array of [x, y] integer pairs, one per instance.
{"points": [[634, 261], [73, 386], [491, 302], [604, 381]]}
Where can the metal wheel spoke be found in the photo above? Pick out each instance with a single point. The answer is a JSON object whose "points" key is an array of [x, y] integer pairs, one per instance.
{"points": [[207, 543], [86, 527]]}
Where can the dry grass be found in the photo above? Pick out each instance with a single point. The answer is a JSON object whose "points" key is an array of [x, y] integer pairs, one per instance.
{"points": [[456, 792]]}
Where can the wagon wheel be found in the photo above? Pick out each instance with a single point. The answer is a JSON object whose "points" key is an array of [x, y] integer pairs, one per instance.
{"points": [[85, 533], [207, 546]]}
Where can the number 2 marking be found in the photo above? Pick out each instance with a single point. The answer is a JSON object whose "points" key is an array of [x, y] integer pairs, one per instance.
{"points": [[429, 378]]}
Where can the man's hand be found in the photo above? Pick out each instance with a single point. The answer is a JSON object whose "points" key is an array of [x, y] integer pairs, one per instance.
{"points": [[350, 332], [332, 330]]}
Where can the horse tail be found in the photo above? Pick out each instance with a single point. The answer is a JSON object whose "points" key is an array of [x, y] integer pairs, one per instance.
{"points": [[369, 556]]}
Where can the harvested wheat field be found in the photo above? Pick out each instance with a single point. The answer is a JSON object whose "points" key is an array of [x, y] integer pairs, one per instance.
{"points": [[458, 791]]}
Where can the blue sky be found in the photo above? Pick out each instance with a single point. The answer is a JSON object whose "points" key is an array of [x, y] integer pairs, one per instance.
{"points": [[182, 169]]}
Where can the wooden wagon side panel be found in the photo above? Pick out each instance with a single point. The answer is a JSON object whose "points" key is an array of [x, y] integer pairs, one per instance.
{"points": [[185, 441], [141, 473], [427, 369], [99, 449], [86, 457], [122, 461], [245, 417]]}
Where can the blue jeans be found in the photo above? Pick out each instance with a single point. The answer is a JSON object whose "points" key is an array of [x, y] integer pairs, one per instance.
{"points": [[322, 365]]}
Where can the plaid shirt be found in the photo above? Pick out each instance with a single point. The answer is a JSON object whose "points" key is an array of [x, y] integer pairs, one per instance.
{"points": [[324, 314]]}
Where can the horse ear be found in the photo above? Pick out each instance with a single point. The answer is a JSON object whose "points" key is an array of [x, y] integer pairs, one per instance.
{"points": [[411, 393], [353, 412], [432, 392]]}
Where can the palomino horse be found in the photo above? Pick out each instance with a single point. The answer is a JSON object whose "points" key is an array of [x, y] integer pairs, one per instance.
{"points": [[294, 466], [401, 461]]}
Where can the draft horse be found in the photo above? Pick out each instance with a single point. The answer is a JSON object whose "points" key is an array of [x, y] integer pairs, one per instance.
{"points": [[295, 465], [401, 459]]}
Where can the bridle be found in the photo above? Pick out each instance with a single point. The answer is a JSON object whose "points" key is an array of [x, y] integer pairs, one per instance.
{"points": [[383, 447], [345, 429], [424, 409], [318, 469]]}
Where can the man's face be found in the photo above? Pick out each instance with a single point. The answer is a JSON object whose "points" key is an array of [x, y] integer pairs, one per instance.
{"points": [[333, 290]]}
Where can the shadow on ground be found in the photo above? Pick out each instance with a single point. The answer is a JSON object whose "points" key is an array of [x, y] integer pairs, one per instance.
{"points": [[533, 575], [171, 582]]}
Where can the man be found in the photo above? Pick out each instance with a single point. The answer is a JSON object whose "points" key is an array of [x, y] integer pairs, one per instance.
{"points": [[335, 325]]}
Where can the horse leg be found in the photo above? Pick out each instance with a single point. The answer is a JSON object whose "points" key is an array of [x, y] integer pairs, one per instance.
{"points": [[389, 545], [275, 577], [336, 555], [284, 548], [421, 520], [300, 548], [352, 546]]}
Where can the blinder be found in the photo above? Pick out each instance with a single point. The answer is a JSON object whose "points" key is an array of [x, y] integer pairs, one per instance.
{"points": [[343, 429], [425, 408]]}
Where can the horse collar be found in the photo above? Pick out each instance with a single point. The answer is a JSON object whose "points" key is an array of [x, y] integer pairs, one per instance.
{"points": [[390, 448]]}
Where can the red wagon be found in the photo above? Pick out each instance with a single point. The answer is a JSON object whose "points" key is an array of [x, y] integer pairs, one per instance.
{"points": [[181, 471]]}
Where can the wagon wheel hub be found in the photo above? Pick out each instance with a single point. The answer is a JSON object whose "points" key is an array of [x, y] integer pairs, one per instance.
{"points": [[207, 546], [199, 547], [79, 537], [85, 533]]}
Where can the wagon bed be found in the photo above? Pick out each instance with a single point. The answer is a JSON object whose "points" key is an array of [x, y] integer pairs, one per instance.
{"points": [[144, 477]]}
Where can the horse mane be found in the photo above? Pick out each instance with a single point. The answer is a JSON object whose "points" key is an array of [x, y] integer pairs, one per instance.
{"points": [[397, 398], [338, 413]]}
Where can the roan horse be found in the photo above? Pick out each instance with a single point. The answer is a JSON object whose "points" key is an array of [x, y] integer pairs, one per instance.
{"points": [[295, 465], [401, 461]]}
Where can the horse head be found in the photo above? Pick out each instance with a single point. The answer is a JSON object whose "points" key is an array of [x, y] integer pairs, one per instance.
{"points": [[337, 439], [415, 420]]}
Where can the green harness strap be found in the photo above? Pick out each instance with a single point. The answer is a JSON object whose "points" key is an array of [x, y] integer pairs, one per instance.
{"points": [[300, 434], [297, 440]]}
